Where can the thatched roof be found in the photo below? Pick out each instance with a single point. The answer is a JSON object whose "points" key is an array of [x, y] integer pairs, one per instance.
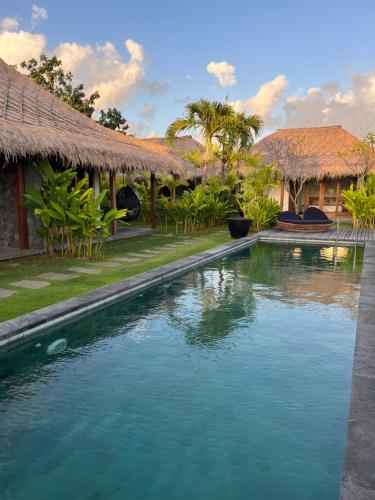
{"points": [[35, 123], [318, 149], [180, 146]]}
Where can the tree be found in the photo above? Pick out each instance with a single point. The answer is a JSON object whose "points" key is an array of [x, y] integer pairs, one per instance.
{"points": [[235, 138], [293, 161], [113, 119], [360, 158], [206, 118], [48, 73]]}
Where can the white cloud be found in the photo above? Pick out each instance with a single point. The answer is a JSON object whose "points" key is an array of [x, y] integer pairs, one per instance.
{"points": [[135, 50], [224, 72], [38, 14], [266, 98], [188, 77], [16, 47], [329, 104], [9, 24]]}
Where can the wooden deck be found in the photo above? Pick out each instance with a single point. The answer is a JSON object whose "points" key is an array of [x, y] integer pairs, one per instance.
{"points": [[345, 236]]}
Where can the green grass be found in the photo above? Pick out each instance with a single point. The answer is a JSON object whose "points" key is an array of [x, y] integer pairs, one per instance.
{"points": [[24, 300]]}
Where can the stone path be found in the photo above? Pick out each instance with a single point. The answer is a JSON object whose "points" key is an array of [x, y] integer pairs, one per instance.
{"points": [[58, 276], [105, 264], [84, 270], [115, 262], [127, 259], [30, 284]]}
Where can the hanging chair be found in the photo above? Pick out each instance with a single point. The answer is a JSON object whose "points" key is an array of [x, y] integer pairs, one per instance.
{"points": [[126, 198]]}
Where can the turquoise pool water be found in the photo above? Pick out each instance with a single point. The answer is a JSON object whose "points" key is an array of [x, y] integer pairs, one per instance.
{"points": [[231, 382]]}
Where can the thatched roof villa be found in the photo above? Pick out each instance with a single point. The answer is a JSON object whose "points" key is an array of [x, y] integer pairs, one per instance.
{"points": [[36, 124], [318, 155]]}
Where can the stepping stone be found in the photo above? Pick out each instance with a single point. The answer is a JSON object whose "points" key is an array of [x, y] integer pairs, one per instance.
{"points": [[30, 284], [6, 293], [132, 254], [171, 245], [58, 276], [152, 251], [105, 264], [84, 270], [127, 259]]}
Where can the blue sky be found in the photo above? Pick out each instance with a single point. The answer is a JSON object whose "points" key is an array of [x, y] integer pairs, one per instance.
{"points": [[297, 63]]}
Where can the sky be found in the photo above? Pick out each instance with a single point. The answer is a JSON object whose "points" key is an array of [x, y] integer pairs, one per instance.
{"points": [[295, 63]]}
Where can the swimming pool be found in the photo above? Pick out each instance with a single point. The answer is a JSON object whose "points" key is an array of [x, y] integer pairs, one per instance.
{"points": [[230, 382]]}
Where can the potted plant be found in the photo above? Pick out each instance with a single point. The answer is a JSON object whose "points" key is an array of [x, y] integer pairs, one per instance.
{"points": [[239, 227]]}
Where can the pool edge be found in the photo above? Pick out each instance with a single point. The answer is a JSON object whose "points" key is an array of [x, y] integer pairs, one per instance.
{"points": [[358, 473]]}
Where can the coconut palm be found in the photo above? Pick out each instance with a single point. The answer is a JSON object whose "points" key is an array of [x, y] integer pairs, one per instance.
{"points": [[208, 119], [235, 139]]}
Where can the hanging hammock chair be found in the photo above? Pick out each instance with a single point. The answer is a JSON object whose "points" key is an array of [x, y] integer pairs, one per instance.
{"points": [[126, 198]]}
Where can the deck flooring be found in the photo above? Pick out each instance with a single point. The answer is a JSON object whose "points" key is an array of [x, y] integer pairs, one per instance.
{"points": [[344, 235]]}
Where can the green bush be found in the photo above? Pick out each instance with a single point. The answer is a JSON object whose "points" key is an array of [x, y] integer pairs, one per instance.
{"points": [[361, 203]]}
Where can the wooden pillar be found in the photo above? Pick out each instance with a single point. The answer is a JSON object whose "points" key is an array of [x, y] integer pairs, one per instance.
{"points": [[23, 237], [282, 189], [337, 196], [153, 201], [321, 195], [112, 194]]}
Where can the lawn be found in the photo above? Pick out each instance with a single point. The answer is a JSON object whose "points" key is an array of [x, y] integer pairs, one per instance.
{"points": [[26, 300]]}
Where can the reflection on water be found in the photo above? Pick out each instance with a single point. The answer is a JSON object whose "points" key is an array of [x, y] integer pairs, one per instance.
{"points": [[231, 381]]}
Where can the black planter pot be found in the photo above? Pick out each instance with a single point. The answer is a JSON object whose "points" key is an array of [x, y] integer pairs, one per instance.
{"points": [[239, 227]]}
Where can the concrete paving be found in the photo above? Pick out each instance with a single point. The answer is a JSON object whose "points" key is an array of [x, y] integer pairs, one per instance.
{"points": [[58, 276], [6, 293], [127, 259], [105, 264], [32, 285], [84, 270]]}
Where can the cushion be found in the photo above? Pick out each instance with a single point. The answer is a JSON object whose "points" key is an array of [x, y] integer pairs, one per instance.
{"points": [[313, 213], [288, 216]]}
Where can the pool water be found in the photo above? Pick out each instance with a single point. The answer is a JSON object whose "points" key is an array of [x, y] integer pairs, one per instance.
{"points": [[230, 382]]}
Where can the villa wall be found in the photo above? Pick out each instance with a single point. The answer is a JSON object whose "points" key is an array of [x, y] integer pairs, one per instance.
{"points": [[8, 213]]}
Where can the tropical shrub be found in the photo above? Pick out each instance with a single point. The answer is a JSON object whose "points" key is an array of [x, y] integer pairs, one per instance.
{"points": [[253, 198], [71, 216], [361, 203], [263, 212]]}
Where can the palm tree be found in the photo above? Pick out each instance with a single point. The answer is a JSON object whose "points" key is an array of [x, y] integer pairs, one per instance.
{"points": [[205, 117], [235, 139]]}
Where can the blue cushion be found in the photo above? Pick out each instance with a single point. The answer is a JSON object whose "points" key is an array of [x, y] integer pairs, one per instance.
{"points": [[313, 213], [288, 216]]}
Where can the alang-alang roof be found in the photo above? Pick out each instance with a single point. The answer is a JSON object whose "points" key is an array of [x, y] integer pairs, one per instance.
{"points": [[320, 146], [35, 123]]}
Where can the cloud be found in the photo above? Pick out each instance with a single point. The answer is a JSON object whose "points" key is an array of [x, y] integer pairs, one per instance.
{"points": [[9, 24], [224, 72], [38, 14], [188, 77], [135, 50], [148, 112], [16, 47], [266, 98], [330, 104], [103, 68]]}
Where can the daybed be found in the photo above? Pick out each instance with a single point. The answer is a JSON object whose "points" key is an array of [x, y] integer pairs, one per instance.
{"points": [[313, 221]]}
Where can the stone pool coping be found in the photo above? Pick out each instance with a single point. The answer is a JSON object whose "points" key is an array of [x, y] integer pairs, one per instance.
{"points": [[358, 475]]}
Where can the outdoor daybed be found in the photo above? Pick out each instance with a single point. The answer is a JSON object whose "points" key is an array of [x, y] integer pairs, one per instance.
{"points": [[313, 221]]}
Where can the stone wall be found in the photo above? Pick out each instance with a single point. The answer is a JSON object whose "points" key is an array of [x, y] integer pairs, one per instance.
{"points": [[32, 179], [8, 212]]}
